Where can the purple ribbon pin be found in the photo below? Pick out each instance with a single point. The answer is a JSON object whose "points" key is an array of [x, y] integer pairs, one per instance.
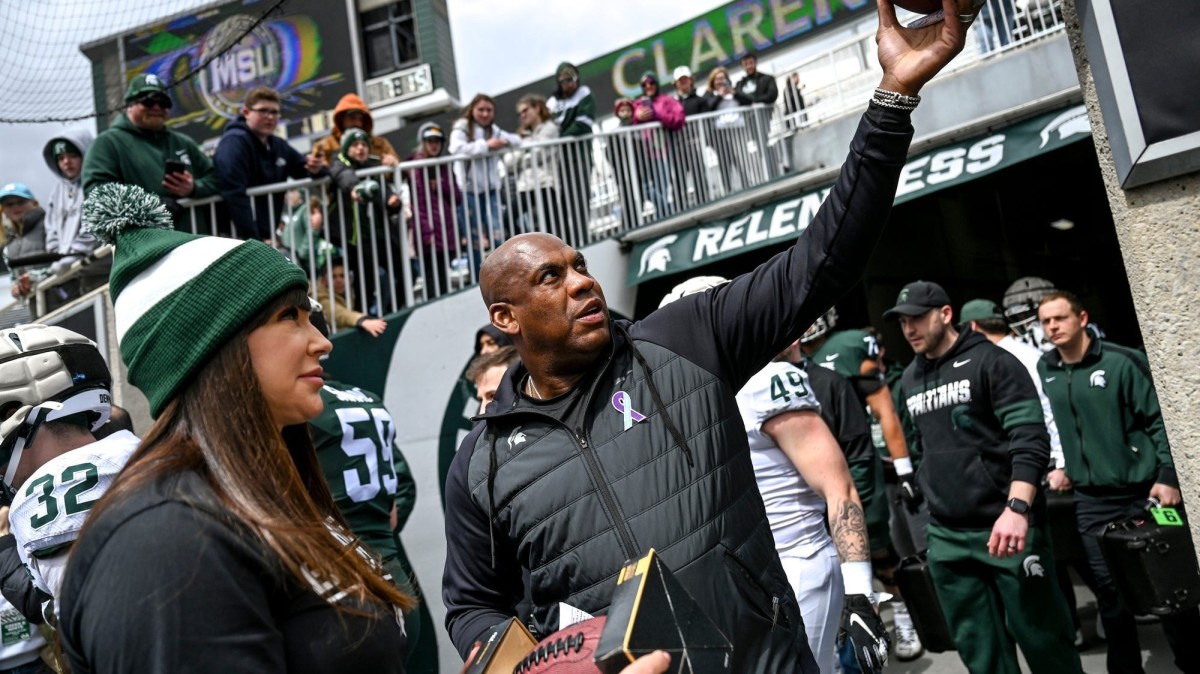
{"points": [[620, 402]]}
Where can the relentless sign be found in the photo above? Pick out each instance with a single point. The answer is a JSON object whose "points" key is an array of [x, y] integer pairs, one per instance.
{"points": [[293, 52], [922, 175]]}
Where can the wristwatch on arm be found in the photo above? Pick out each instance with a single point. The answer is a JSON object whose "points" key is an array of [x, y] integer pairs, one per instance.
{"points": [[1018, 506]]}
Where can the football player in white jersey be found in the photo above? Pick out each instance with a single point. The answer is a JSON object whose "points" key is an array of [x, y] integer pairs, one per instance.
{"points": [[804, 481], [54, 393]]}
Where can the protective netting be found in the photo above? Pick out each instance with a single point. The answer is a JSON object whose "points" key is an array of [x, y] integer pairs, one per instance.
{"points": [[47, 77]]}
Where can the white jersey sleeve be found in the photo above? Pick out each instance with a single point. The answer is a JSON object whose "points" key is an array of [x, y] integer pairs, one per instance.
{"points": [[777, 388], [795, 512], [52, 505]]}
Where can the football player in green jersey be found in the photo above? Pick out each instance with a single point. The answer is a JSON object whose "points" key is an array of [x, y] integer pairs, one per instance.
{"points": [[373, 488]]}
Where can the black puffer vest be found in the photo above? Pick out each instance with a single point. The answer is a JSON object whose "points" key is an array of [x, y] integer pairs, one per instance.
{"points": [[576, 503]]}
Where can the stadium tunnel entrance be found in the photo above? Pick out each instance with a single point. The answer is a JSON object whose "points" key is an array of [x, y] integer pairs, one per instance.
{"points": [[1046, 215]]}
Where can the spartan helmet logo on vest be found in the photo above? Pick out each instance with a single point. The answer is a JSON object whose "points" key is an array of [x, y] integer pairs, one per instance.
{"points": [[1033, 567], [1097, 380], [516, 437]]}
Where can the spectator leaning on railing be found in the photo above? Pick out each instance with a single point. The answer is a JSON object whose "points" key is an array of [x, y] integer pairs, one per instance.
{"points": [[337, 303], [250, 155], [27, 237], [474, 135], [536, 168], [622, 157], [755, 87], [64, 219], [435, 198], [138, 149], [574, 110], [359, 216], [690, 157], [655, 106]]}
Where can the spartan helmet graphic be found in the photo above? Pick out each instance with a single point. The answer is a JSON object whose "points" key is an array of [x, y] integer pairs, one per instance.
{"points": [[516, 437], [1033, 567], [1020, 309], [821, 327]]}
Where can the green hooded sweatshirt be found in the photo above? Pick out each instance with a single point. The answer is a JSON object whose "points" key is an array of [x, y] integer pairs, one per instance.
{"points": [[126, 154]]}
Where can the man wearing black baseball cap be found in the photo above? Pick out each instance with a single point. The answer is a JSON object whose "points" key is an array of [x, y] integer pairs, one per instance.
{"points": [[986, 450], [139, 149]]}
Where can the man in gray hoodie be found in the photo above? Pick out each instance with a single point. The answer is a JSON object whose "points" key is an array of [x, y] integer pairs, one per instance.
{"points": [[64, 219]]}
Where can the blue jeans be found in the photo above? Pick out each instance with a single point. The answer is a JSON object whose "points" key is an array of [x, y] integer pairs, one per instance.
{"points": [[479, 223]]}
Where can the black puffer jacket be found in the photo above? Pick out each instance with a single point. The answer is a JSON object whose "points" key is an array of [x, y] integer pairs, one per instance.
{"points": [[571, 505]]}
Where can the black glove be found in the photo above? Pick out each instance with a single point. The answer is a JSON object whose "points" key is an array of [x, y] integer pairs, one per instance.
{"points": [[910, 493], [868, 637]]}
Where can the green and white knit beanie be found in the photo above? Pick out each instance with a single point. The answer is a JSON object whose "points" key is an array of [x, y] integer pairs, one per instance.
{"points": [[178, 297], [352, 136]]}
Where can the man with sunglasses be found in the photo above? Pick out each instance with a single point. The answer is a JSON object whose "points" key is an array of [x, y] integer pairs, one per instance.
{"points": [[138, 148], [54, 395], [249, 155]]}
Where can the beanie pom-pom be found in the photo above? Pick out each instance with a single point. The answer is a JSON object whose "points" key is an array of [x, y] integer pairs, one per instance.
{"points": [[113, 207]]}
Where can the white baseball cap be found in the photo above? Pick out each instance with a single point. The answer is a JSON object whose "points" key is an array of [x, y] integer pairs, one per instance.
{"points": [[681, 72]]}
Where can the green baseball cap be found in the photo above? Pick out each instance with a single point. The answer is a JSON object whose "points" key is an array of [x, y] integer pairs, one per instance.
{"points": [[980, 310], [146, 83]]}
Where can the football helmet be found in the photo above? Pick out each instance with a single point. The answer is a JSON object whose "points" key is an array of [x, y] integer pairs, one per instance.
{"points": [[1020, 309], [823, 326], [46, 373]]}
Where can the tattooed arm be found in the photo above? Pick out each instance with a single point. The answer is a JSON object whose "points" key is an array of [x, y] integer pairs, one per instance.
{"points": [[806, 440]]}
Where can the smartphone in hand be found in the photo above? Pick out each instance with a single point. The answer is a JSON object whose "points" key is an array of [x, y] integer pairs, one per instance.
{"points": [[175, 166]]}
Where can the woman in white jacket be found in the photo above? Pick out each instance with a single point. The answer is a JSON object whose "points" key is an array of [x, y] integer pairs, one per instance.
{"points": [[476, 137], [537, 166]]}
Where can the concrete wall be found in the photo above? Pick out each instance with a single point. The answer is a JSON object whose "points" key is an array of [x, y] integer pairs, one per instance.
{"points": [[1158, 226]]}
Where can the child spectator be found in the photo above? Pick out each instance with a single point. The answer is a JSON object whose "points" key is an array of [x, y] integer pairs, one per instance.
{"points": [[338, 305], [623, 160], [655, 106], [359, 214], [435, 199], [305, 215], [251, 155]]}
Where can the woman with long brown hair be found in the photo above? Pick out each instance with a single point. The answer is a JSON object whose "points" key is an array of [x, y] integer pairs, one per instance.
{"points": [[219, 546], [476, 137]]}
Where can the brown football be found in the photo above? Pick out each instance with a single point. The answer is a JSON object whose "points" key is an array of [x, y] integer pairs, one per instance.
{"points": [[567, 651]]}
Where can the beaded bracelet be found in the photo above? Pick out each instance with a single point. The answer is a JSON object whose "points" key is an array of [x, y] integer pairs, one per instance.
{"points": [[892, 99]]}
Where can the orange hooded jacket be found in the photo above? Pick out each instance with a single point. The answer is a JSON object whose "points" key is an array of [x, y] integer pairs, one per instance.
{"points": [[328, 147]]}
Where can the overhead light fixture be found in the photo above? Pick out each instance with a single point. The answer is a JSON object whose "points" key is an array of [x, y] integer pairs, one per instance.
{"points": [[1062, 224]]}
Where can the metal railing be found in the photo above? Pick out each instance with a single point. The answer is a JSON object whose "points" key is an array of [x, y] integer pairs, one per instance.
{"points": [[842, 78], [421, 230]]}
